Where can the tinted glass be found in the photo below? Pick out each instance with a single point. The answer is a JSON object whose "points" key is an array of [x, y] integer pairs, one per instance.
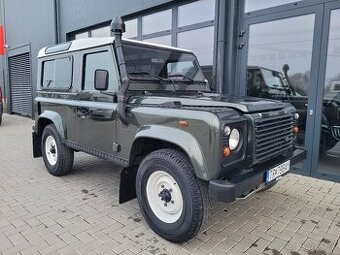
{"points": [[203, 46], [101, 32], [255, 5], [329, 160], [57, 73], [164, 40], [196, 12], [155, 68], [130, 29], [157, 22], [100, 60], [279, 63]]}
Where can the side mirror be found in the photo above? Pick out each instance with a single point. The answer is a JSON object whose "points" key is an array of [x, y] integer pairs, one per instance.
{"points": [[101, 79]]}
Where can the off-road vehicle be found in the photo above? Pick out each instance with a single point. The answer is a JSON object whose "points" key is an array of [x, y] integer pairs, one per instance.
{"points": [[149, 109]]}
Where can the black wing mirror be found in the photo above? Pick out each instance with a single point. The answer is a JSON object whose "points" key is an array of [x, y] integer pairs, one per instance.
{"points": [[101, 79]]}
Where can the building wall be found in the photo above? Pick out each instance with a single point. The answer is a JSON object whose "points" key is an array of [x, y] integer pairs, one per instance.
{"points": [[78, 14], [28, 25]]}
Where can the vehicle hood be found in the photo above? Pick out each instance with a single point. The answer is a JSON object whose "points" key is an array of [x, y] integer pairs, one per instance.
{"points": [[243, 104]]}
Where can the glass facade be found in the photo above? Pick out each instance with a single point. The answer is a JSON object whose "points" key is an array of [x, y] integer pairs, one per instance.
{"points": [[279, 62], [255, 5], [165, 40], [157, 22], [204, 10], [101, 32], [131, 29], [203, 46], [329, 160]]}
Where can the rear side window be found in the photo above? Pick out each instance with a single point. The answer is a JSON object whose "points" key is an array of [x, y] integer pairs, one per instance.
{"points": [[57, 73], [100, 60]]}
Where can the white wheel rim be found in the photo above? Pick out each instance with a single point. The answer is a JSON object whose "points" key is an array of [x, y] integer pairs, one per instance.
{"points": [[51, 150], [170, 209]]}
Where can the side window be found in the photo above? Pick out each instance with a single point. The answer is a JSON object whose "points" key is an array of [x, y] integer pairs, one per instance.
{"points": [[99, 60], [57, 73]]}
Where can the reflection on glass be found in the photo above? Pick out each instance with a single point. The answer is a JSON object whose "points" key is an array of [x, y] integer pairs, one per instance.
{"points": [[157, 22], [164, 40], [203, 46], [81, 35], [279, 62], [255, 5], [130, 28], [329, 160], [101, 32], [199, 11]]}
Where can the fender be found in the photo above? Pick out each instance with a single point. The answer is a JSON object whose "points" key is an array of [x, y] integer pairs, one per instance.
{"points": [[57, 121], [181, 138]]}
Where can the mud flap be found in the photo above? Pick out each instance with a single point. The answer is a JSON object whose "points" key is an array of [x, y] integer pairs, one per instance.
{"points": [[36, 142], [127, 188]]}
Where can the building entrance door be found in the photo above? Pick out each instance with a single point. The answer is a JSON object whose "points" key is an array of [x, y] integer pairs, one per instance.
{"points": [[326, 163], [280, 61]]}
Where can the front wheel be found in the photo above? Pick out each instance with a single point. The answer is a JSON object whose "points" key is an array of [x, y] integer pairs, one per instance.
{"points": [[172, 199], [57, 156]]}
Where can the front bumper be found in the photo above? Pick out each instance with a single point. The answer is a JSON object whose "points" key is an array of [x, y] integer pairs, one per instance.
{"points": [[228, 190]]}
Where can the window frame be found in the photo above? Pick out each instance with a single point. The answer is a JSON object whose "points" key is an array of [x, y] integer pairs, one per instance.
{"points": [[43, 72], [85, 53]]}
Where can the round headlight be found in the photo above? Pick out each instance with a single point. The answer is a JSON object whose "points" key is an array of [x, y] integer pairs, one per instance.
{"points": [[234, 139], [226, 130], [296, 116]]}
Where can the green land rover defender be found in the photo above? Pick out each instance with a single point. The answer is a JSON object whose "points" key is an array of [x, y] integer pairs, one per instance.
{"points": [[149, 109]]}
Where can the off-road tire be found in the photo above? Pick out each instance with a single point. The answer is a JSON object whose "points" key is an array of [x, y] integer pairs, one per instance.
{"points": [[194, 193], [65, 155]]}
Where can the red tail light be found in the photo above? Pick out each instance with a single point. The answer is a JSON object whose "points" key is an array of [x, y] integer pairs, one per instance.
{"points": [[0, 95]]}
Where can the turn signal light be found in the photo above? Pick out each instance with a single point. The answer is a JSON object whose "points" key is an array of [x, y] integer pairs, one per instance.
{"points": [[183, 123], [295, 130], [226, 151]]}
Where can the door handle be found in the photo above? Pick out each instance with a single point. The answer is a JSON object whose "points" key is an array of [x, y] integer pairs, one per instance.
{"points": [[81, 113]]}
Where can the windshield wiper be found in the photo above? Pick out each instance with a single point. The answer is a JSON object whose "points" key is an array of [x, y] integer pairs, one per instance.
{"points": [[150, 74], [181, 75]]}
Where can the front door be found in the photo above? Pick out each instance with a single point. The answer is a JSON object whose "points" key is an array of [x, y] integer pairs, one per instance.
{"points": [[278, 62], [96, 114]]}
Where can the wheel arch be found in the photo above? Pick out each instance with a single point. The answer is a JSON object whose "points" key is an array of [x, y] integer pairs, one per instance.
{"points": [[171, 137], [45, 119], [152, 138], [51, 117]]}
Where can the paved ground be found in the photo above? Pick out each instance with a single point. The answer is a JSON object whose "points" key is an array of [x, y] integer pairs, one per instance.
{"points": [[80, 214]]}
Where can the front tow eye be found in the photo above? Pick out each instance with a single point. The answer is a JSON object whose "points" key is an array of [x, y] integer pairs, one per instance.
{"points": [[165, 196]]}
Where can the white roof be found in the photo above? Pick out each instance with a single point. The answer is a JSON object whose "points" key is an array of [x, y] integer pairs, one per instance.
{"points": [[87, 43]]}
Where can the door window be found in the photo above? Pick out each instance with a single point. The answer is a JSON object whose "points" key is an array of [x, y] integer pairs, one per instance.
{"points": [[329, 159], [57, 73], [100, 60]]}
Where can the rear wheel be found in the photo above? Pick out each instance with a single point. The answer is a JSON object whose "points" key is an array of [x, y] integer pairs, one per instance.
{"points": [[172, 199], [58, 158]]}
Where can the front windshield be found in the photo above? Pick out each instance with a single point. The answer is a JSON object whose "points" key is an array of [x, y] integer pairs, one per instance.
{"points": [[275, 82], [272, 79], [153, 68]]}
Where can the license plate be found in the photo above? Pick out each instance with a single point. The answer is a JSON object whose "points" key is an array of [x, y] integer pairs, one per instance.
{"points": [[277, 171]]}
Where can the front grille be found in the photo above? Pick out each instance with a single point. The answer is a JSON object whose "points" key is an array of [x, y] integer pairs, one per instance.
{"points": [[273, 136], [336, 132]]}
